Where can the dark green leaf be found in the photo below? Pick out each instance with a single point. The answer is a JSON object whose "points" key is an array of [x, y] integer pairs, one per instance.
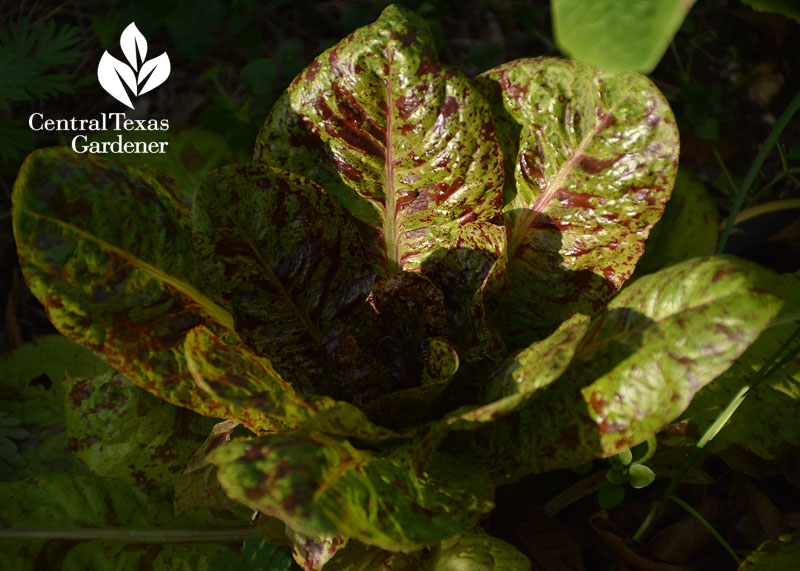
{"points": [[610, 495], [688, 228], [197, 486], [788, 8], [32, 391], [226, 368], [359, 557]]}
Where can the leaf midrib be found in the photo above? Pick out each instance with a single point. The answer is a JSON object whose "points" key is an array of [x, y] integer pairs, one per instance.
{"points": [[534, 211], [216, 311], [390, 214], [301, 315]]}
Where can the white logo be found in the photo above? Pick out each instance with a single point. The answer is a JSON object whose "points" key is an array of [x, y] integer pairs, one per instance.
{"points": [[114, 74]]}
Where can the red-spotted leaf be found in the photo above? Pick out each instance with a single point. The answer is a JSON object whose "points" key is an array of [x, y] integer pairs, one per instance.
{"points": [[107, 250], [527, 373], [122, 432], [321, 486], [637, 368], [412, 142], [766, 422], [591, 157], [287, 261], [227, 369]]}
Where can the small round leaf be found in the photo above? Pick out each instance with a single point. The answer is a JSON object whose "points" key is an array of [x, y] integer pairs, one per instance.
{"points": [[641, 476], [610, 496]]}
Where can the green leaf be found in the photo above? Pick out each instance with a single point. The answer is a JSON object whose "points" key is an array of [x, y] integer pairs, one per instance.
{"points": [[657, 343], [132, 518], [123, 432], [27, 53], [321, 486], [766, 422], [286, 260], [688, 228], [616, 34], [641, 476], [524, 376], [779, 554], [406, 146], [257, 555], [106, 249], [131, 557], [788, 8], [32, 390], [610, 495], [591, 158], [197, 486], [615, 476], [356, 556], [229, 370], [477, 552], [644, 451]]}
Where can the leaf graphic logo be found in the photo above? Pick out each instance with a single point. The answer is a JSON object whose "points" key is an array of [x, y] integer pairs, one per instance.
{"points": [[114, 75]]}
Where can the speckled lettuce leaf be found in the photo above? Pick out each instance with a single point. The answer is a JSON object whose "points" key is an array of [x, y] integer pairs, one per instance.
{"points": [[638, 366], [226, 368], [779, 554], [688, 227], [412, 142], [107, 250], [32, 390], [766, 423], [278, 253], [123, 432], [356, 556], [462, 273], [322, 486], [313, 553], [477, 552], [523, 376], [590, 160]]}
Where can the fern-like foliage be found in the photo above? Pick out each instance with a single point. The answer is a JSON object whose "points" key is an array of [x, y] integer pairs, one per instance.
{"points": [[26, 55], [9, 457]]}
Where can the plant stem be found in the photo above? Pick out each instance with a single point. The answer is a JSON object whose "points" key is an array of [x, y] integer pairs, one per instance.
{"points": [[772, 138], [773, 364], [226, 535], [725, 171], [786, 173], [710, 528], [766, 208]]}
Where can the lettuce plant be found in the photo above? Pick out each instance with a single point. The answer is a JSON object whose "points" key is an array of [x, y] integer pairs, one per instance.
{"points": [[409, 296]]}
